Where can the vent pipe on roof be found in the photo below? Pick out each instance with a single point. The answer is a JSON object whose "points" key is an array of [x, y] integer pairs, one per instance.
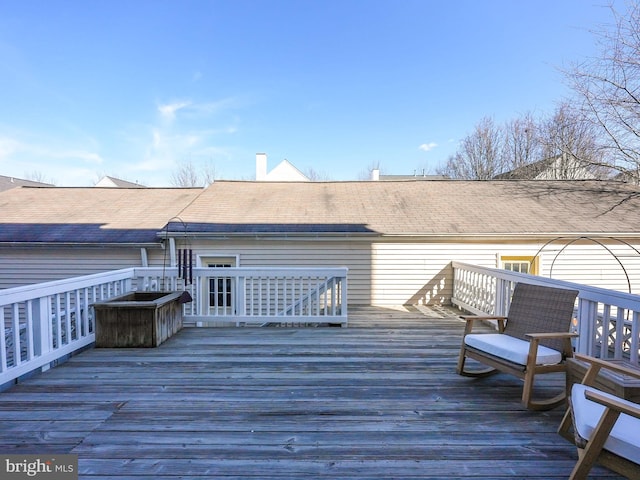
{"points": [[261, 166], [375, 174]]}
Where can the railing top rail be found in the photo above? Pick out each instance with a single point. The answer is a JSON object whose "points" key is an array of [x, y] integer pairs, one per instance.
{"points": [[39, 290], [249, 271], [586, 292]]}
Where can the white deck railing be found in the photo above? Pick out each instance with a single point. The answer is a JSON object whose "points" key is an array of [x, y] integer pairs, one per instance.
{"points": [[43, 323], [256, 295], [607, 321]]}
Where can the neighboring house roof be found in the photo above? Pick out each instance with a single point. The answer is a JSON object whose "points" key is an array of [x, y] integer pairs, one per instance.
{"points": [[113, 182], [630, 177], [89, 215], [451, 208], [283, 172], [7, 183], [553, 168]]}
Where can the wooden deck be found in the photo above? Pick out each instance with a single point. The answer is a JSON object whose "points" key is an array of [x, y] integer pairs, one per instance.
{"points": [[377, 400]]}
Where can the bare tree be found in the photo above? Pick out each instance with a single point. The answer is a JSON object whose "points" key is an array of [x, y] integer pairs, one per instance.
{"points": [[609, 87], [186, 175], [317, 176], [37, 176], [209, 172], [571, 141], [480, 155], [565, 140], [521, 142], [366, 174]]}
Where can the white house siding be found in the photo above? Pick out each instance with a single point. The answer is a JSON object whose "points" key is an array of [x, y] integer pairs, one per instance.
{"points": [[421, 273], [25, 266], [391, 272], [384, 272], [354, 254], [592, 264]]}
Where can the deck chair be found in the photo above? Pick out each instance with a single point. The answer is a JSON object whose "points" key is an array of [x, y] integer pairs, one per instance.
{"points": [[533, 339], [606, 427]]}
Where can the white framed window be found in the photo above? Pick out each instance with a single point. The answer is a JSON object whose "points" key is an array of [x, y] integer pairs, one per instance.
{"points": [[519, 263]]}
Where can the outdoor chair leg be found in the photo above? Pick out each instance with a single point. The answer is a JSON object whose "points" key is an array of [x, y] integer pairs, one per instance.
{"points": [[541, 405], [587, 457], [527, 394], [474, 373], [564, 430]]}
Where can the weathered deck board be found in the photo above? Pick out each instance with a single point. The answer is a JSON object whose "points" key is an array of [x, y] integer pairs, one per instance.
{"points": [[377, 400]]}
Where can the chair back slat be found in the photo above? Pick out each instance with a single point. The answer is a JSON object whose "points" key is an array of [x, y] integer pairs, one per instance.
{"points": [[538, 309]]}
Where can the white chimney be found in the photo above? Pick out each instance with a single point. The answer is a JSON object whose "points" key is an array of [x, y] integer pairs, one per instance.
{"points": [[261, 166], [375, 174]]}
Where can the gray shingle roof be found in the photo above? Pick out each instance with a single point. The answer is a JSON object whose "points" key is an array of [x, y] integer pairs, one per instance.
{"points": [[440, 208], [7, 183], [88, 215], [419, 208]]}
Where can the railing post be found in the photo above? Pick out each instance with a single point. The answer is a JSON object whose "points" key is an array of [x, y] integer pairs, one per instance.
{"points": [[500, 300], [343, 300], [586, 326], [241, 306], [3, 342], [85, 313], [42, 334], [635, 328], [620, 327], [17, 346]]}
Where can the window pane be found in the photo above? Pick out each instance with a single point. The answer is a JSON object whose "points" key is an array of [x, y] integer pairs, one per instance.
{"points": [[520, 267]]}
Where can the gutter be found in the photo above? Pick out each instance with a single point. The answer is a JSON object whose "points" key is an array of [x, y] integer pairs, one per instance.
{"points": [[270, 236], [84, 245], [402, 236]]}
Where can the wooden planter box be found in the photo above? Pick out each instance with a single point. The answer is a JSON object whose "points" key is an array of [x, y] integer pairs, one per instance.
{"points": [[138, 319]]}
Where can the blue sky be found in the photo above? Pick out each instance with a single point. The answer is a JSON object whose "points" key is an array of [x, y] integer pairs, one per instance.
{"points": [[133, 88]]}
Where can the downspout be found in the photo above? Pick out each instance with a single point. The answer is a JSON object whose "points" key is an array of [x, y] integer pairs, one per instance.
{"points": [[172, 252], [144, 259]]}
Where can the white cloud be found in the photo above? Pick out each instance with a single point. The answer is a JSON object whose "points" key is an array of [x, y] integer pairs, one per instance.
{"points": [[210, 108], [183, 129], [168, 110], [87, 157], [166, 148], [43, 149], [426, 147], [189, 108], [25, 154], [8, 146]]}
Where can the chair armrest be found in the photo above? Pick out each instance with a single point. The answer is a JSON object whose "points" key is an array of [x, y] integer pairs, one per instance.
{"points": [[543, 336], [482, 317], [614, 367], [613, 403]]}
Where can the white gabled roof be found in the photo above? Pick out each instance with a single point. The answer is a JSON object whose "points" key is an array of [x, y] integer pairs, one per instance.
{"points": [[285, 171], [113, 182]]}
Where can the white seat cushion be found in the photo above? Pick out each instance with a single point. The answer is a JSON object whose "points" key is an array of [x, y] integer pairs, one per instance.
{"points": [[624, 439], [510, 348]]}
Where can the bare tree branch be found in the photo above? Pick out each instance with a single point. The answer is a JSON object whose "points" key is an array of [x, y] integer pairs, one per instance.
{"points": [[609, 89], [186, 175]]}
